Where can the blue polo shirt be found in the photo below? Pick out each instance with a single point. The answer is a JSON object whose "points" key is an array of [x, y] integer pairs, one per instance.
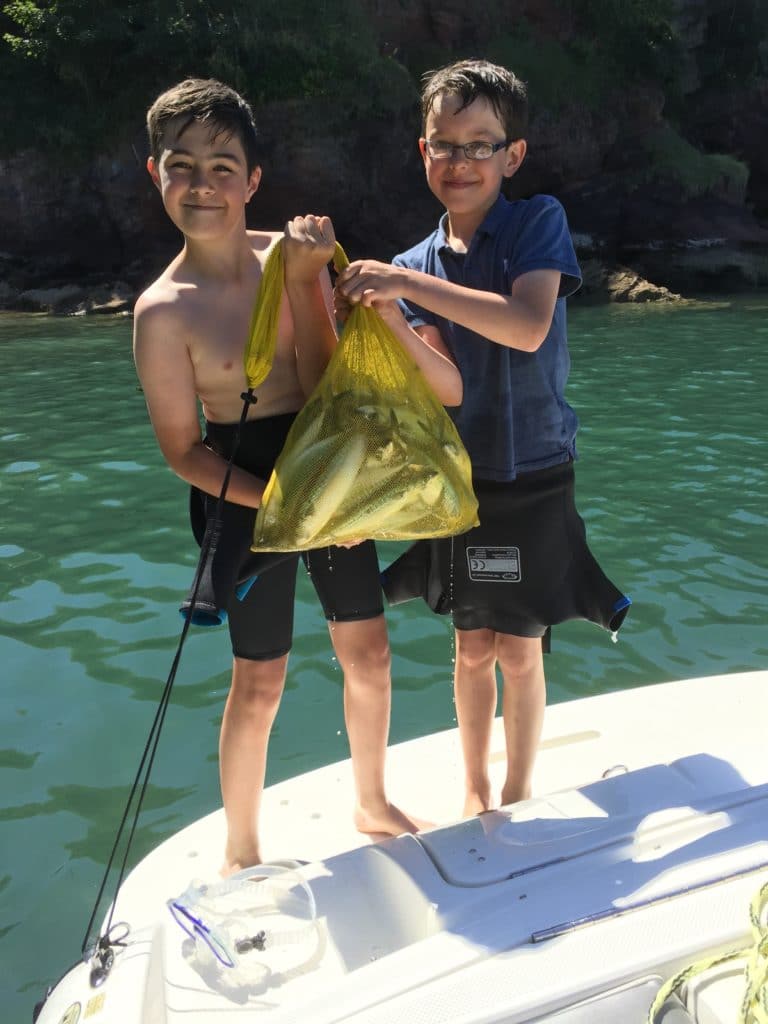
{"points": [[514, 417]]}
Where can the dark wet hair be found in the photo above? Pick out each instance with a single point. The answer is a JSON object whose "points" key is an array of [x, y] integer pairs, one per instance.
{"points": [[210, 103], [475, 79]]}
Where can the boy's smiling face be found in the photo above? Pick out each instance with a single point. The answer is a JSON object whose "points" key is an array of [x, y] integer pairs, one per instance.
{"points": [[203, 178], [468, 188]]}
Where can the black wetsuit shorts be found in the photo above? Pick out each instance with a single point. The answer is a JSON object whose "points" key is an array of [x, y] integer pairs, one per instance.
{"points": [[525, 568], [255, 592]]}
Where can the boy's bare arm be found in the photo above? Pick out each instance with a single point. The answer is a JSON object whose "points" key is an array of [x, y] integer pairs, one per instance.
{"points": [[308, 246], [520, 320], [167, 378], [429, 352]]}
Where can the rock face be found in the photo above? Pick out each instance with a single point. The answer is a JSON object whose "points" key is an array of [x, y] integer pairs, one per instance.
{"points": [[72, 300], [619, 284], [89, 239]]}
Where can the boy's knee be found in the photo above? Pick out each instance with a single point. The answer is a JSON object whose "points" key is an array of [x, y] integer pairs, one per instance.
{"points": [[518, 656], [475, 648], [370, 660], [362, 647], [258, 682]]}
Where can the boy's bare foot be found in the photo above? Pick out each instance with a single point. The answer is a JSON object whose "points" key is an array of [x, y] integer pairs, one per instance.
{"points": [[239, 862], [511, 794], [476, 802], [387, 820]]}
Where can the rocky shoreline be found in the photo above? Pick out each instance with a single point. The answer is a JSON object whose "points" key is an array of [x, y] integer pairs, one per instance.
{"points": [[94, 250], [602, 283]]}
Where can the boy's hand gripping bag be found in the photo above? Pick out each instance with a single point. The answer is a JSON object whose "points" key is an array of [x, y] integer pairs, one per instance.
{"points": [[372, 455]]}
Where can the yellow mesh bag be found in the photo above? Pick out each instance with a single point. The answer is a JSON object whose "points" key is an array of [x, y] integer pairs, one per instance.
{"points": [[372, 455], [262, 333]]}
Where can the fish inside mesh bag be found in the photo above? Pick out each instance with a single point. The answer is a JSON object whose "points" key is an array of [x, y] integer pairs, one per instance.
{"points": [[372, 455]]}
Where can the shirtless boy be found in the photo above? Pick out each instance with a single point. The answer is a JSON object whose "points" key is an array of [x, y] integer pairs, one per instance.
{"points": [[190, 330]]}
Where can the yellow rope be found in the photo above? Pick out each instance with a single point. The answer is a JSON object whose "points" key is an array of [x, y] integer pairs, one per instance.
{"points": [[754, 1005]]}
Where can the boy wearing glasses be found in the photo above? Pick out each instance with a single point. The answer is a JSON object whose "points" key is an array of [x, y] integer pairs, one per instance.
{"points": [[490, 284], [190, 330]]}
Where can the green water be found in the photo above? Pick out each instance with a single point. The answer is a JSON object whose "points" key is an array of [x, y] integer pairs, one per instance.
{"points": [[95, 554]]}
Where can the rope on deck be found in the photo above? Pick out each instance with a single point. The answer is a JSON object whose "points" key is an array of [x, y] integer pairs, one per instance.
{"points": [[754, 1004]]}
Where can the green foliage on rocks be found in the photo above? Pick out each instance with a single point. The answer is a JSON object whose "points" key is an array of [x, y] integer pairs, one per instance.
{"points": [[673, 158], [556, 73], [735, 44], [612, 46], [77, 75], [628, 39]]}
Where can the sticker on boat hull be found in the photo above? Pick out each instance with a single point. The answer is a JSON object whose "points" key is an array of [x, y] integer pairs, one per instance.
{"points": [[494, 565], [95, 1005]]}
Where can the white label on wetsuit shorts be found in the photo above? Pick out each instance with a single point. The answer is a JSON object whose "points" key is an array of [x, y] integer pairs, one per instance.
{"points": [[494, 565]]}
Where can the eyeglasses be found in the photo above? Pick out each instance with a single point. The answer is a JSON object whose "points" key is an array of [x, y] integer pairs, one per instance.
{"points": [[438, 150]]}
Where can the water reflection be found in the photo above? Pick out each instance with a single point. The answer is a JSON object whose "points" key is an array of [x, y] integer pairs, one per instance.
{"points": [[96, 554]]}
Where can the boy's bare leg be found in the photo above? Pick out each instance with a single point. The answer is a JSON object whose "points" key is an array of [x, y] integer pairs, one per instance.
{"points": [[363, 652], [249, 714], [522, 667], [474, 687]]}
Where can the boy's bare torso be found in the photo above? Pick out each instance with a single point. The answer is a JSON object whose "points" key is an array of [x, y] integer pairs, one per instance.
{"points": [[213, 319]]}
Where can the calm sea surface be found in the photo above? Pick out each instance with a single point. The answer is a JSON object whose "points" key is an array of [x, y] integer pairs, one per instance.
{"points": [[95, 553]]}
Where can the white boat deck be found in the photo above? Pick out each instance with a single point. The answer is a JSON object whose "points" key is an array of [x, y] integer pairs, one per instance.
{"points": [[717, 735], [570, 908]]}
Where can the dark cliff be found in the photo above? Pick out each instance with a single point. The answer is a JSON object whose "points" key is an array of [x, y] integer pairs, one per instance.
{"points": [[663, 170]]}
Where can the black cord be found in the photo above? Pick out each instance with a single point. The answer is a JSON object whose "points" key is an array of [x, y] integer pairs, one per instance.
{"points": [[153, 738]]}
